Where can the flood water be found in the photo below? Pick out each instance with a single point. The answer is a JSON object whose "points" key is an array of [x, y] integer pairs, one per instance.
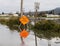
{"points": [[8, 37], [12, 38]]}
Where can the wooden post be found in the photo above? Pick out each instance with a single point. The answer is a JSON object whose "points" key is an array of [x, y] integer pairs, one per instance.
{"points": [[36, 14], [21, 9], [35, 32]]}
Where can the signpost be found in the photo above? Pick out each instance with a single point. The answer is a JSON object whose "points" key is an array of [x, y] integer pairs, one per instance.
{"points": [[21, 9], [36, 8], [24, 20]]}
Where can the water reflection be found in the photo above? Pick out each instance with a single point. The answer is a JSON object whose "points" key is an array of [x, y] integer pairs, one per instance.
{"points": [[8, 38], [12, 38]]}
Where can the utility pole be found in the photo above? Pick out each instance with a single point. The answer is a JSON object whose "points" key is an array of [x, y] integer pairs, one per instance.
{"points": [[36, 13], [21, 10], [21, 7]]}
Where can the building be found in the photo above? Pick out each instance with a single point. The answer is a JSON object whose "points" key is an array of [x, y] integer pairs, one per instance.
{"points": [[51, 15]]}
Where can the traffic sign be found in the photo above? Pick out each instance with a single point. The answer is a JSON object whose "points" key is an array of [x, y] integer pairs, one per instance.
{"points": [[24, 20]]}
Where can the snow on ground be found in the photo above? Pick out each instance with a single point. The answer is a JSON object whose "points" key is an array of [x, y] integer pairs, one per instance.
{"points": [[10, 38]]}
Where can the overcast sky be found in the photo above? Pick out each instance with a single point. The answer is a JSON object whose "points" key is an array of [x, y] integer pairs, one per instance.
{"points": [[14, 5]]}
